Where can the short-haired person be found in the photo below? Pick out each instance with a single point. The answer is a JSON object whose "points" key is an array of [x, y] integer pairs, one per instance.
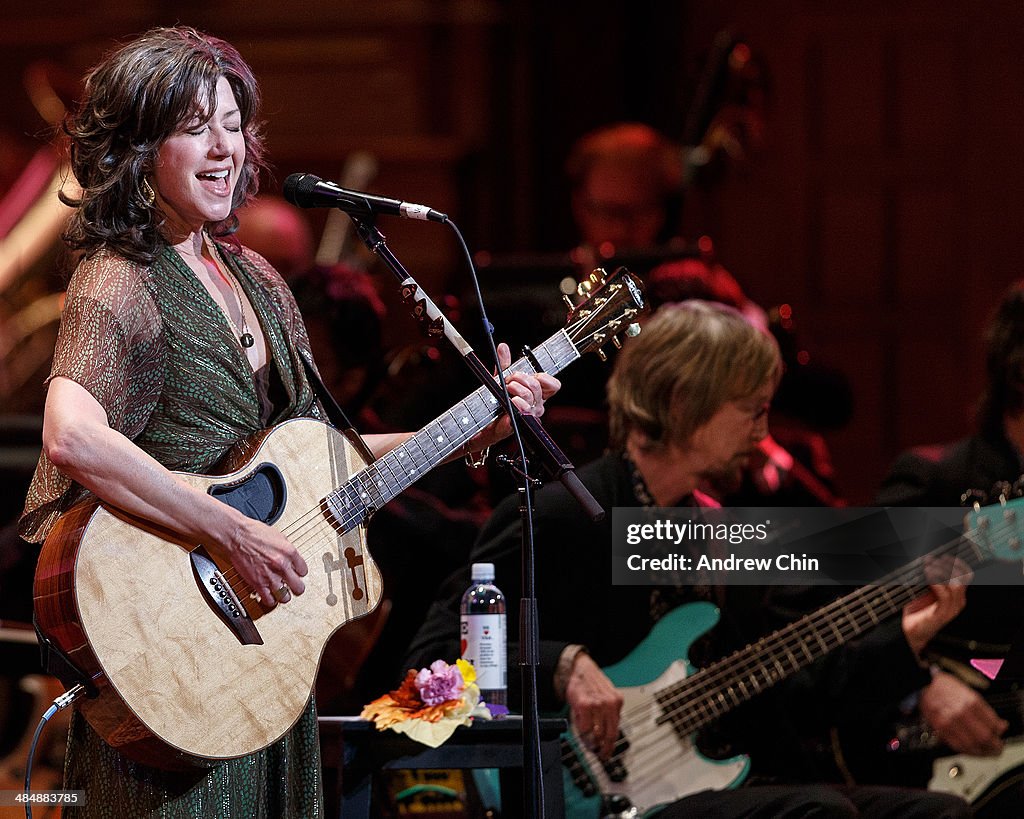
{"points": [[623, 179], [175, 345], [688, 399]]}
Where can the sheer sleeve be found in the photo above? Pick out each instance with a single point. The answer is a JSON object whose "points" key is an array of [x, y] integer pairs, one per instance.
{"points": [[110, 343]]}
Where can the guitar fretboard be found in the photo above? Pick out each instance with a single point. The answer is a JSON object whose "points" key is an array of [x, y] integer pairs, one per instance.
{"points": [[383, 480], [710, 693]]}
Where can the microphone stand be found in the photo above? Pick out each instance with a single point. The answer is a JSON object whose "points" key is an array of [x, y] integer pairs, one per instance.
{"points": [[434, 323]]}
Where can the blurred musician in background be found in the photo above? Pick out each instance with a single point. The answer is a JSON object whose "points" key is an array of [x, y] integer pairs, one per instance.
{"points": [[626, 181], [961, 710]]}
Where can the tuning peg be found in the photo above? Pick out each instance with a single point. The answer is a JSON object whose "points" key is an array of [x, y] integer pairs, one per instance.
{"points": [[1002, 490], [617, 342], [601, 354], [1018, 487], [633, 330], [595, 281], [568, 302], [974, 498]]}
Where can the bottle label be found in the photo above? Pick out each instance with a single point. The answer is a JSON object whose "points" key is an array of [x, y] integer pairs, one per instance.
{"points": [[483, 644]]}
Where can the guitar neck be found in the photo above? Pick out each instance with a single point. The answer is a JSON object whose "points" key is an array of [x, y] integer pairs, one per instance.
{"points": [[383, 480], [712, 692]]}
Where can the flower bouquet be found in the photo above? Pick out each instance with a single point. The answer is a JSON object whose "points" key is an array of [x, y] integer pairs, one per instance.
{"points": [[431, 703]]}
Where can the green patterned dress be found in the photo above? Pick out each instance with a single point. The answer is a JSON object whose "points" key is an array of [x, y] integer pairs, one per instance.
{"points": [[151, 345]]}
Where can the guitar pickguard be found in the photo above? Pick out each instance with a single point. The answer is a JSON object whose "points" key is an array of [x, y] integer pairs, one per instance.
{"points": [[660, 764]]}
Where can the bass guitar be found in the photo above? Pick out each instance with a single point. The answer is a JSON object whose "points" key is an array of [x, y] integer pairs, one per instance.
{"points": [[183, 662], [665, 702]]}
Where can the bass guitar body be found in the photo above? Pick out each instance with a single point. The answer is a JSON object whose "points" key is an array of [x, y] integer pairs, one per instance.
{"points": [[654, 763]]}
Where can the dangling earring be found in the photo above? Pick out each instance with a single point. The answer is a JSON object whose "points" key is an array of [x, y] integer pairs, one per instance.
{"points": [[148, 194]]}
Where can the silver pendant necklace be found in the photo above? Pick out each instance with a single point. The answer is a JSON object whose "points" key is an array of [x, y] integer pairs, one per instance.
{"points": [[245, 337]]}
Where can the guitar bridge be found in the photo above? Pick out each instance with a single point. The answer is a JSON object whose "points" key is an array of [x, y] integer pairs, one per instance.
{"points": [[221, 597]]}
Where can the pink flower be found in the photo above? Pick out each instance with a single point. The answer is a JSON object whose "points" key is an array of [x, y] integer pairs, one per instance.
{"points": [[440, 683]]}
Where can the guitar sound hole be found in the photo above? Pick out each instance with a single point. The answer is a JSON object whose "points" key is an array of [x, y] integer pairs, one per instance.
{"points": [[260, 495]]}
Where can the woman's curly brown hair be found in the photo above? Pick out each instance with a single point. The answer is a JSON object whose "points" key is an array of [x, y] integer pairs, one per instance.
{"points": [[136, 98]]}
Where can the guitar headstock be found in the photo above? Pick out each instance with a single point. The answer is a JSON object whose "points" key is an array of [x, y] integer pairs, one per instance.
{"points": [[609, 306]]}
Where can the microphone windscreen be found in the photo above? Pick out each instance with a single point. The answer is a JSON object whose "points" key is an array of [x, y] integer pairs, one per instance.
{"points": [[299, 188]]}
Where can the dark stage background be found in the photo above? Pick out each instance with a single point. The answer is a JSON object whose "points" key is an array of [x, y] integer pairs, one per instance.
{"points": [[884, 206]]}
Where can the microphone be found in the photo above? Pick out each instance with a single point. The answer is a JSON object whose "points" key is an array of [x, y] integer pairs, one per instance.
{"points": [[309, 191]]}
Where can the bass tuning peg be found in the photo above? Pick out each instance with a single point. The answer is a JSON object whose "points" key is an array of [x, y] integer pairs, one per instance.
{"points": [[974, 497], [1002, 490], [1017, 490]]}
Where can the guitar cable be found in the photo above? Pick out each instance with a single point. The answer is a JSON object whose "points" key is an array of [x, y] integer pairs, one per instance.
{"points": [[59, 704]]}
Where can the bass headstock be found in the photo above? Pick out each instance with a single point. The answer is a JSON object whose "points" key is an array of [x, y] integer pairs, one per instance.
{"points": [[998, 529]]}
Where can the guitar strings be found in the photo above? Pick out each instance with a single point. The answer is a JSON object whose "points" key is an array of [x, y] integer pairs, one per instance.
{"points": [[560, 356], [651, 708], [701, 685], [306, 531], [782, 639], [856, 609], [789, 639], [694, 678]]}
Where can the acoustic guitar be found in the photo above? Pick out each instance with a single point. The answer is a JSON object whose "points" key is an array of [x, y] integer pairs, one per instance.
{"points": [[185, 664]]}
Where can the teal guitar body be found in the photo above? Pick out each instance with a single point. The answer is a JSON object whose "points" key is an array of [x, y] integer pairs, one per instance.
{"points": [[653, 764], [666, 702]]}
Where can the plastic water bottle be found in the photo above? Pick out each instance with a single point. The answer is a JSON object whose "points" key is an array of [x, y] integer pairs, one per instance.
{"points": [[482, 626]]}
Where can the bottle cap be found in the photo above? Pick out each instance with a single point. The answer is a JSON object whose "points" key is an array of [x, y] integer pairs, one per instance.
{"points": [[482, 572]]}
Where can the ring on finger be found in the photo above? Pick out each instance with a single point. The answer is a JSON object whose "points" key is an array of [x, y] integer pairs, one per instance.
{"points": [[282, 594]]}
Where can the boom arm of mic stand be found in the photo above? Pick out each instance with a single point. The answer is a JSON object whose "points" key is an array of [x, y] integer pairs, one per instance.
{"points": [[436, 324], [559, 466]]}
